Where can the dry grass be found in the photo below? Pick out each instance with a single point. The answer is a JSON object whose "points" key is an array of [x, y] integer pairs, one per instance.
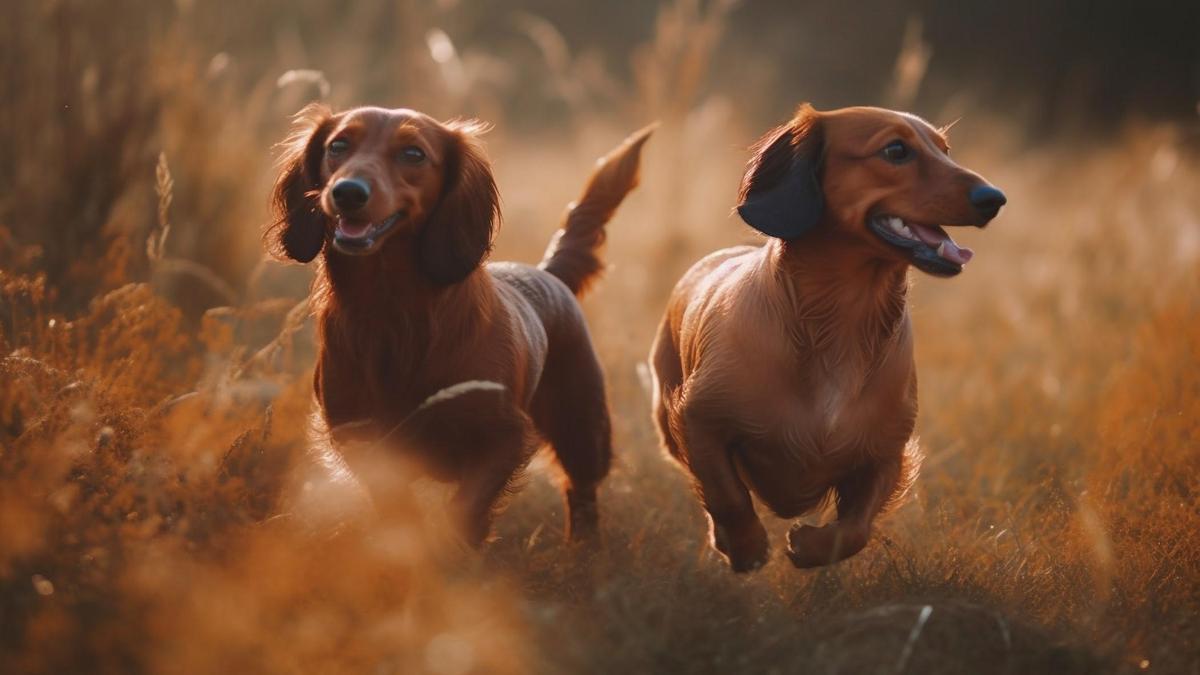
{"points": [[162, 508]]}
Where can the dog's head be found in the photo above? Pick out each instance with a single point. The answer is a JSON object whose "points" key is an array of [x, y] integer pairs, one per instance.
{"points": [[881, 177], [357, 180]]}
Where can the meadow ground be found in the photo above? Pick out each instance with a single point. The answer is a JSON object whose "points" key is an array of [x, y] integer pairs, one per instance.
{"points": [[160, 511]]}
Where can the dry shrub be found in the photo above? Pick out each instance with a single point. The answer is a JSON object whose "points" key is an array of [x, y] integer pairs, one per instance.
{"points": [[194, 533], [1145, 488]]}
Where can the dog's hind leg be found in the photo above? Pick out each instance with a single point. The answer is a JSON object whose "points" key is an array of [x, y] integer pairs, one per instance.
{"points": [[668, 377], [571, 411]]}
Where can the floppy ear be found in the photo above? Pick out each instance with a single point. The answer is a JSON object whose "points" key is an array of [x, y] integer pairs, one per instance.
{"points": [[781, 191], [458, 234], [298, 227]]}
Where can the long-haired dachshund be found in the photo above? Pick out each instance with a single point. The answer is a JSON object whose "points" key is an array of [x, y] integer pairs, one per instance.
{"points": [[786, 370], [402, 210]]}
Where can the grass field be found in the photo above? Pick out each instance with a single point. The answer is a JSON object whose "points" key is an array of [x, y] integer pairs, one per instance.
{"points": [[160, 510]]}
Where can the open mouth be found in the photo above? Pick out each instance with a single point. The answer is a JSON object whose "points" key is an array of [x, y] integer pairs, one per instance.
{"points": [[356, 238], [928, 246]]}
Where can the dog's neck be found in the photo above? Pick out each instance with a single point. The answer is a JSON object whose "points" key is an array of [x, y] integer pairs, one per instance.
{"points": [[388, 290], [836, 297]]}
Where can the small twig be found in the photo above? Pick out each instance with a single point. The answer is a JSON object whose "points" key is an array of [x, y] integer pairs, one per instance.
{"points": [[292, 322], [194, 270], [913, 636], [306, 76], [1006, 634], [440, 396], [533, 538], [887, 549]]}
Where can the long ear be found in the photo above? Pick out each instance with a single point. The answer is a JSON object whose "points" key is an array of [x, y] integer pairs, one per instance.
{"points": [[297, 230], [781, 191], [458, 234]]}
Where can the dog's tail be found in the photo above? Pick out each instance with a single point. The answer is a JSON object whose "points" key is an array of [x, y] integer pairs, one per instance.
{"points": [[573, 254]]}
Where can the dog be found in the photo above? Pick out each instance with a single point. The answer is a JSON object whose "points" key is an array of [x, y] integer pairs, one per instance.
{"points": [[402, 210], [786, 370]]}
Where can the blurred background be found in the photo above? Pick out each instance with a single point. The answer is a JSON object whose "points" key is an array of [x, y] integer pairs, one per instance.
{"points": [[157, 499]]}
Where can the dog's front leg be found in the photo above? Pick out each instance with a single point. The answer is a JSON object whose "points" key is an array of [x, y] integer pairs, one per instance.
{"points": [[735, 530], [486, 478], [479, 492], [861, 495]]}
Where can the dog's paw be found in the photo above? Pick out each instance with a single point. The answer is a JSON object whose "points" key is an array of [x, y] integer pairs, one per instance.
{"points": [[746, 549], [810, 546]]}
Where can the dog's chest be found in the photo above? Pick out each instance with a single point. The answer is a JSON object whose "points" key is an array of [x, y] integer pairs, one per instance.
{"points": [[823, 414], [845, 407]]}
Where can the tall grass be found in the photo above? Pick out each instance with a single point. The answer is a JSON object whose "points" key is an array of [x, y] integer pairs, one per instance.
{"points": [[164, 507]]}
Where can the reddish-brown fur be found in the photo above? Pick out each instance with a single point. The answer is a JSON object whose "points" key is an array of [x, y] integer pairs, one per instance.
{"points": [[786, 370], [421, 312]]}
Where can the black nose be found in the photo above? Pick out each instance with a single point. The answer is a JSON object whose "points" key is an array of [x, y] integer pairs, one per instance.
{"points": [[987, 200], [350, 194]]}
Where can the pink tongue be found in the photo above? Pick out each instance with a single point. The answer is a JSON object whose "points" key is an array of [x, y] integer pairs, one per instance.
{"points": [[936, 236], [353, 229]]}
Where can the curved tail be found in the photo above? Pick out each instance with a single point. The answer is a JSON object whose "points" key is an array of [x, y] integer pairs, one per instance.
{"points": [[573, 253]]}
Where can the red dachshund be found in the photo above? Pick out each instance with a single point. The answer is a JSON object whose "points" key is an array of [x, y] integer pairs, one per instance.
{"points": [[402, 210], [786, 370]]}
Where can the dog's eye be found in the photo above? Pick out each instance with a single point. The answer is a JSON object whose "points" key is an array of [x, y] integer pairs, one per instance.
{"points": [[897, 152], [412, 155], [339, 147]]}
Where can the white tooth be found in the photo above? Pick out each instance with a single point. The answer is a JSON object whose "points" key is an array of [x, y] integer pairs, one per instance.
{"points": [[941, 249], [906, 232]]}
